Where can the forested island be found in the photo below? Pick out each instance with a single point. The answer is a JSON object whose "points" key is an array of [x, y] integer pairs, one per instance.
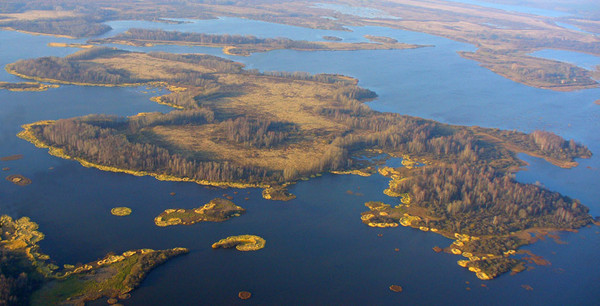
{"points": [[241, 128], [24, 270], [244, 45]]}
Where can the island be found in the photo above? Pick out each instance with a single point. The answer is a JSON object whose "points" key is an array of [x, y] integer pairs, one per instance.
{"points": [[241, 243], [11, 157], [18, 179], [26, 86], [243, 45], [381, 39], [332, 38], [70, 45], [31, 278], [242, 128], [217, 210], [277, 193], [121, 211]]}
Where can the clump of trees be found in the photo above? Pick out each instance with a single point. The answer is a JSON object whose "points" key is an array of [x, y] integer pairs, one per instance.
{"points": [[555, 146], [18, 278], [63, 69], [258, 133]]}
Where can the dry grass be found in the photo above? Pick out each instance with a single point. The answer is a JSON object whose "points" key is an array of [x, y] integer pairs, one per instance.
{"points": [[200, 140], [40, 14], [146, 67]]}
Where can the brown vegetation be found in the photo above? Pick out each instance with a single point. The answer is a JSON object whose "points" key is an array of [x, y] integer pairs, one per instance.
{"points": [[534, 71], [396, 288], [241, 243], [11, 157], [18, 179]]}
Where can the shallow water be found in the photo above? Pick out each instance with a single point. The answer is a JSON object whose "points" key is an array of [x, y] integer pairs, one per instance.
{"points": [[318, 251]]}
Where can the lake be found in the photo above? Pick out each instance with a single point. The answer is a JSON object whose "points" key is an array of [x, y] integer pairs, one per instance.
{"points": [[318, 251]]}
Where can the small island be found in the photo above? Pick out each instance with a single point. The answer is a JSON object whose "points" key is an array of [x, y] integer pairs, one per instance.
{"points": [[70, 45], [241, 243], [11, 157], [277, 193], [121, 211], [245, 45], [18, 179], [332, 38], [217, 210], [26, 86], [597, 102]]}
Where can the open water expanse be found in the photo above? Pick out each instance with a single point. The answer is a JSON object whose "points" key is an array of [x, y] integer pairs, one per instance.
{"points": [[318, 251]]}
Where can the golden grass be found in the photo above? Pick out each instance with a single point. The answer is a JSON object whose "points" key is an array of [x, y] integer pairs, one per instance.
{"points": [[121, 211], [198, 139], [144, 66], [41, 14], [72, 45]]}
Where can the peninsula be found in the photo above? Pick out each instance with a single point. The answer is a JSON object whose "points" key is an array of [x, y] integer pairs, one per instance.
{"points": [[26, 86], [26, 271], [241, 128]]}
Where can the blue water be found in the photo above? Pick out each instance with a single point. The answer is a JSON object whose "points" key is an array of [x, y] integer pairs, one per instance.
{"points": [[572, 27], [583, 60], [318, 251]]}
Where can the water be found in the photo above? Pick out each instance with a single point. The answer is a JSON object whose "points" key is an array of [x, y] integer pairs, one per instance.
{"points": [[583, 60], [572, 27], [318, 251]]}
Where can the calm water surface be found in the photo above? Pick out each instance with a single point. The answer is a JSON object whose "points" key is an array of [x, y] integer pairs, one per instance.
{"points": [[318, 251]]}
